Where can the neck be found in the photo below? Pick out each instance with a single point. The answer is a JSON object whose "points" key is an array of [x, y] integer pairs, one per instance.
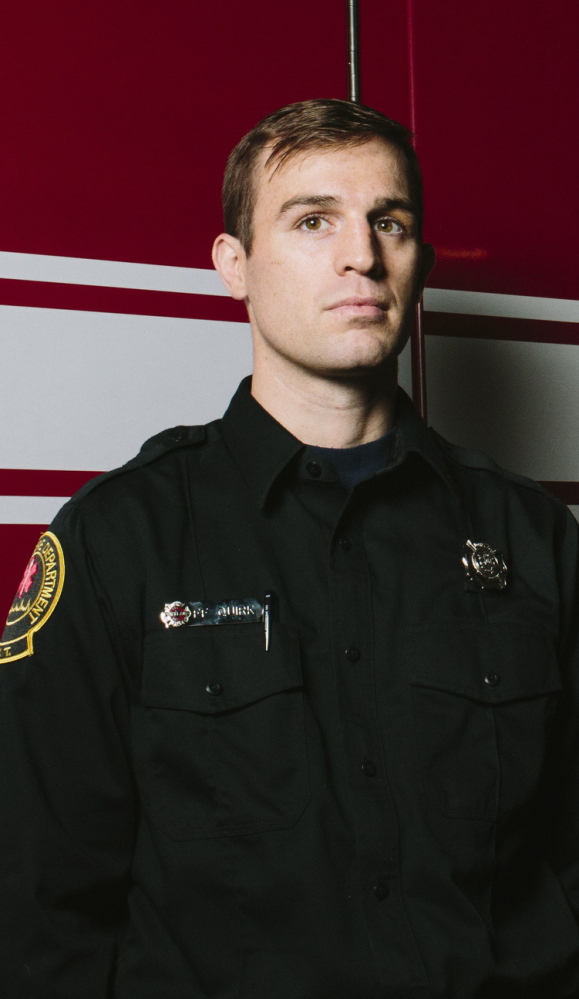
{"points": [[335, 412]]}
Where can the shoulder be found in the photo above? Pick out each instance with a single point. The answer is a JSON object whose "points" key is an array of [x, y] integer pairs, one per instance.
{"points": [[477, 461], [143, 485], [163, 446], [159, 455], [503, 490]]}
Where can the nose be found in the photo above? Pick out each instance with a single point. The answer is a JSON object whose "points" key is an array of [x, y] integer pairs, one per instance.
{"points": [[358, 249]]}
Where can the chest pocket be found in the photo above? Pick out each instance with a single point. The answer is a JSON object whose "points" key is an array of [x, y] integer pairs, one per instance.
{"points": [[221, 731], [484, 699]]}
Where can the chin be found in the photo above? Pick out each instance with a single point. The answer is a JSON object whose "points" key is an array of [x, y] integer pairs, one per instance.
{"points": [[363, 367], [369, 357]]}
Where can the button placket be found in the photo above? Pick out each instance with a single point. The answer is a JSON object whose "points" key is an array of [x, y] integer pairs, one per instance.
{"points": [[353, 642], [350, 584]]}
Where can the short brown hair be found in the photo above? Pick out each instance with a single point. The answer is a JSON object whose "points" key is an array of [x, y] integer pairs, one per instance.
{"points": [[307, 125]]}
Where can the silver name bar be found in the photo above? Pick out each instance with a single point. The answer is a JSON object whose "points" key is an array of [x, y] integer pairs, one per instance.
{"points": [[245, 610]]}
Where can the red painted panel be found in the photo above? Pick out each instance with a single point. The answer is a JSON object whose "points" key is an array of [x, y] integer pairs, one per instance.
{"points": [[384, 69], [496, 95], [500, 328], [41, 482]]}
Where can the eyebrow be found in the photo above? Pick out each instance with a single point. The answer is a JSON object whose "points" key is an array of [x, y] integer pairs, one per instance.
{"points": [[327, 201], [308, 201], [383, 205]]}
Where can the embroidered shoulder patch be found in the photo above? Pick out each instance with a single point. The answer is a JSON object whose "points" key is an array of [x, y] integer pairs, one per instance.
{"points": [[35, 599]]}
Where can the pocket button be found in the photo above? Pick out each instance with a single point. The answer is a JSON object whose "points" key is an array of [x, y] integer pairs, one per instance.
{"points": [[214, 688], [492, 679]]}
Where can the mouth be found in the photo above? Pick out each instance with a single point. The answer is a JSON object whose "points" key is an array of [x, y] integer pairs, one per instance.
{"points": [[356, 306]]}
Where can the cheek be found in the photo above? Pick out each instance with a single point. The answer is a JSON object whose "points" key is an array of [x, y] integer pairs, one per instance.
{"points": [[404, 272], [283, 277], [276, 296], [264, 282]]}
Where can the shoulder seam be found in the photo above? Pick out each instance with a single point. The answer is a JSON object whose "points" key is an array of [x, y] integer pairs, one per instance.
{"points": [[174, 439], [478, 461]]}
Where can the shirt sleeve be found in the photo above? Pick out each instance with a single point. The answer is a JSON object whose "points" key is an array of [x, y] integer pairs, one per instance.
{"points": [[67, 830]]}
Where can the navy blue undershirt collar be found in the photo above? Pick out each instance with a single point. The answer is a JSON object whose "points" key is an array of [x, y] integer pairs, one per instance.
{"points": [[354, 464]]}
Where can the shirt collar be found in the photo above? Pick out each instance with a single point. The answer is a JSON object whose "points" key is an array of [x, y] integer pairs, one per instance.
{"points": [[263, 448], [260, 445], [414, 436]]}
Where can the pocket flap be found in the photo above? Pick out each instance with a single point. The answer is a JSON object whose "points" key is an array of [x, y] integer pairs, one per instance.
{"points": [[216, 669], [490, 663]]}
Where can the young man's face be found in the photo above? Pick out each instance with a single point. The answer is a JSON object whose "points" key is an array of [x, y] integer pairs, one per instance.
{"points": [[336, 264]]}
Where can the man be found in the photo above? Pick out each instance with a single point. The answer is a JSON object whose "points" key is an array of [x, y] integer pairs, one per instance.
{"points": [[289, 703]]}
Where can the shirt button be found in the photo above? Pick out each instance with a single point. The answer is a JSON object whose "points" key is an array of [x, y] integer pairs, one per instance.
{"points": [[313, 469], [214, 688], [345, 544], [353, 654], [493, 679], [381, 891], [369, 768]]}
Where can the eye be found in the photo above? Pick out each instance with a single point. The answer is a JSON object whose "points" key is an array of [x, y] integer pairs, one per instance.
{"points": [[389, 226], [313, 223]]}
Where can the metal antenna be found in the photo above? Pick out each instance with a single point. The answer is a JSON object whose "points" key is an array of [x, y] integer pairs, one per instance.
{"points": [[353, 51]]}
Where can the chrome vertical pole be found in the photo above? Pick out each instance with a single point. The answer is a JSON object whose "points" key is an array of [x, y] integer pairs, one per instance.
{"points": [[418, 361], [417, 347], [353, 51]]}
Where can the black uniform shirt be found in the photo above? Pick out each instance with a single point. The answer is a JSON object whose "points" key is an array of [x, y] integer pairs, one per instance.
{"points": [[381, 805]]}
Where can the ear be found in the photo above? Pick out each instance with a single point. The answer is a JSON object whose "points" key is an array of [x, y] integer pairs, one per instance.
{"points": [[427, 263], [229, 260]]}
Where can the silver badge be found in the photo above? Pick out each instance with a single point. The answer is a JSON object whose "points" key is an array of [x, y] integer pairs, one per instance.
{"points": [[485, 567], [242, 611]]}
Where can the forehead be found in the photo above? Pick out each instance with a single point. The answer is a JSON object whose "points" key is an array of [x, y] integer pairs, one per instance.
{"points": [[364, 171]]}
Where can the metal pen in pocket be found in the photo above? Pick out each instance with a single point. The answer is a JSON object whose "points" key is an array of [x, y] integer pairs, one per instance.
{"points": [[268, 609]]}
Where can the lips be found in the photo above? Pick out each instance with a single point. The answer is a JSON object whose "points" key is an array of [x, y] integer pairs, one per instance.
{"points": [[358, 307], [356, 302]]}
